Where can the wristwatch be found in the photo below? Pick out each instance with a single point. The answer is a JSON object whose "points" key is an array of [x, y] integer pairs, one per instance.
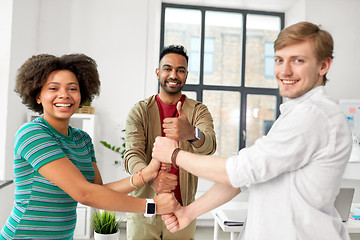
{"points": [[197, 135], [150, 208]]}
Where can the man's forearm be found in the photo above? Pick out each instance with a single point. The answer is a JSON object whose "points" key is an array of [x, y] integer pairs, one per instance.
{"points": [[209, 167], [215, 197]]}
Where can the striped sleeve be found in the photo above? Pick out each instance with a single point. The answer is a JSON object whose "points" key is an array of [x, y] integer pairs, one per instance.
{"points": [[35, 143]]}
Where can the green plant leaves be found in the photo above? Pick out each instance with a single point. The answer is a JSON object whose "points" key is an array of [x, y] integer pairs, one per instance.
{"points": [[115, 148], [120, 150], [105, 222]]}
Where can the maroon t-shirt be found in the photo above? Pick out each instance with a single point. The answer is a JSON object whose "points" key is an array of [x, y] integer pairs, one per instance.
{"points": [[170, 111]]}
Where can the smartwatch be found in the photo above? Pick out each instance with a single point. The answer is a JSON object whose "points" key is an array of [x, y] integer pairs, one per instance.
{"points": [[197, 135], [150, 208]]}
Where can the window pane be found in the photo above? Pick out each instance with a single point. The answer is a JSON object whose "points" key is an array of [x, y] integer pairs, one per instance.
{"points": [[190, 94], [269, 67], [222, 60], [194, 64], [209, 52], [181, 25], [261, 32], [224, 107], [260, 115], [194, 58], [269, 62]]}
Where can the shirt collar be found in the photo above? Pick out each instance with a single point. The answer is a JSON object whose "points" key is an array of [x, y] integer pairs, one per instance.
{"points": [[292, 102]]}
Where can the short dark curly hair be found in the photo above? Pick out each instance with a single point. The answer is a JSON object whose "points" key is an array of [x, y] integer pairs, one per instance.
{"points": [[33, 74], [178, 49]]}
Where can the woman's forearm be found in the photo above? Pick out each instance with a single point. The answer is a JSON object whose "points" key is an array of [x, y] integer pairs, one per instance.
{"points": [[103, 197], [137, 180], [99, 196]]}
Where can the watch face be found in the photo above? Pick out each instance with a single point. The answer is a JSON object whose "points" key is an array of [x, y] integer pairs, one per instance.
{"points": [[150, 208]]}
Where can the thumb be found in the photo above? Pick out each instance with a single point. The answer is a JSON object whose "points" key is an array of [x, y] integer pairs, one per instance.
{"points": [[178, 107]]}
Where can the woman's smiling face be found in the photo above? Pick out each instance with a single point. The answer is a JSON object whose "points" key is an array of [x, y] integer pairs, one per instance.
{"points": [[60, 96]]}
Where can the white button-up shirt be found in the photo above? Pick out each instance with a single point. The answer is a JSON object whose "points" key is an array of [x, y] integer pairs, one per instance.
{"points": [[294, 173]]}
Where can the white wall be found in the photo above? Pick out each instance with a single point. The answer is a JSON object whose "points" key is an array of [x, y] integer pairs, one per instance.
{"points": [[342, 19], [6, 199], [23, 44], [296, 13], [5, 41], [123, 37]]}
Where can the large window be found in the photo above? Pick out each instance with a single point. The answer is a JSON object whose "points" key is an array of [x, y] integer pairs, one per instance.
{"points": [[230, 67]]}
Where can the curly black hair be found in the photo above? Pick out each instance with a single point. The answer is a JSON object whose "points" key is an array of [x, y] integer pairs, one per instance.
{"points": [[178, 49], [33, 74]]}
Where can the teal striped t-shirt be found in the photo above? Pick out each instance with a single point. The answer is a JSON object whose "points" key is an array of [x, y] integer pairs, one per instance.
{"points": [[41, 209]]}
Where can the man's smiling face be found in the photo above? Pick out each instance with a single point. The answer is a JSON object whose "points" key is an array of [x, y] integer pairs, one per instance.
{"points": [[297, 69], [172, 73]]}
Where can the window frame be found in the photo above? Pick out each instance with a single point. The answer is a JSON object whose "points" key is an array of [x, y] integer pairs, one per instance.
{"points": [[242, 89]]}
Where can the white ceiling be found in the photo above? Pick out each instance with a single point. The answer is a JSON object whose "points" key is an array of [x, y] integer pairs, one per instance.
{"points": [[264, 5]]}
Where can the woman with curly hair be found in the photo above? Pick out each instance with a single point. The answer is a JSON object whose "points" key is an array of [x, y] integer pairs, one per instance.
{"points": [[54, 163]]}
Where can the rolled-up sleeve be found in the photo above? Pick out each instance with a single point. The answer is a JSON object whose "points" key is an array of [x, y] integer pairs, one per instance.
{"points": [[284, 149]]}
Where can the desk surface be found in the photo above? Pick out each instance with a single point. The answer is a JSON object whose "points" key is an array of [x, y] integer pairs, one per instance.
{"points": [[220, 216], [220, 221], [353, 226]]}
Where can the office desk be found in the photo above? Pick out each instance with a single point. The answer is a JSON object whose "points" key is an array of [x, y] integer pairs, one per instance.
{"points": [[219, 223], [220, 216]]}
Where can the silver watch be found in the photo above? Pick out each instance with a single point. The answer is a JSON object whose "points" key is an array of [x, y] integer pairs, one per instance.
{"points": [[197, 135]]}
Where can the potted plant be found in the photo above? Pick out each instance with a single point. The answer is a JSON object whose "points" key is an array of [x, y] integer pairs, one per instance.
{"points": [[105, 225]]}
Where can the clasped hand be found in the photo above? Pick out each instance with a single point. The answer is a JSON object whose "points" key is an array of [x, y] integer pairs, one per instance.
{"points": [[177, 220], [163, 149], [165, 182]]}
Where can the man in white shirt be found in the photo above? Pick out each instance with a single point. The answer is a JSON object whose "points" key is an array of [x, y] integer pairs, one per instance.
{"points": [[294, 173]]}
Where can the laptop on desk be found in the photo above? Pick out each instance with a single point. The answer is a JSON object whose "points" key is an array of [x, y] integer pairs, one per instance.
{"points": [[343, 202]]}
